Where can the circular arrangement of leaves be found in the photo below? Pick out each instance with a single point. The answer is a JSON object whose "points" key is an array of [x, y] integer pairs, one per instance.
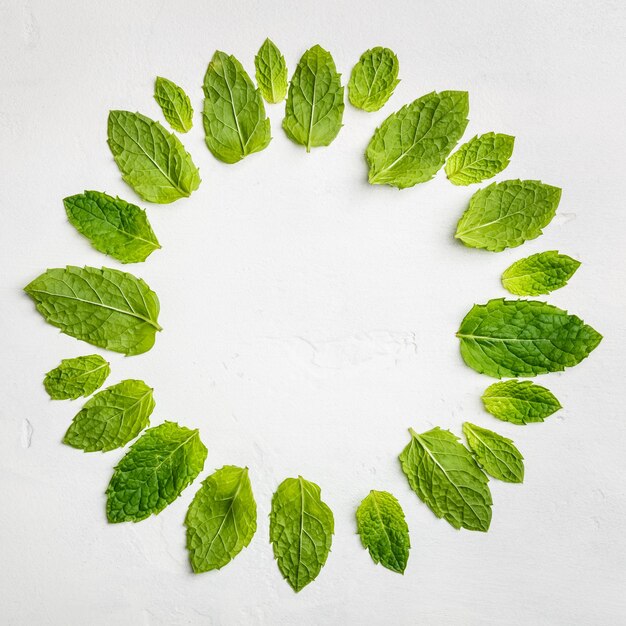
{"points": [[117, 311]]}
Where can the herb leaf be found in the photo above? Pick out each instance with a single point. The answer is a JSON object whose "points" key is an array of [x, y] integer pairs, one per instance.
{"points": [[373, 79], [444, 475], [519, 402], [152, 161], [506, 214], [76, 377], [235, 123], [314, 108], [495, 454], [539, 274], [301, 529], [155, 471], [112, 417], [480, 158], [221, 519], [383, 530], [271, 72], [105, 307], [509, 338], [113, 225], [174, 103]]}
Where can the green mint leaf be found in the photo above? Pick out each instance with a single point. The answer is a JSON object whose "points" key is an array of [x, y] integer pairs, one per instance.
{"points": [[509, 338], [444, 475], [221, 519], [411, 145], [314, 109], [373, 79], [519, 402], [495, 454], [152, 161], [155, 471], [105, 307], [112, 417], [506, 214], [271, 72], [76, 377], [301, 529], [539, 274], [480, 158], [113, 225], [383, 530], [174, 103], [235, 123]]}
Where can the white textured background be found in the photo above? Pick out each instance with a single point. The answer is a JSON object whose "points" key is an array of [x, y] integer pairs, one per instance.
{"points": [[309, 318]]}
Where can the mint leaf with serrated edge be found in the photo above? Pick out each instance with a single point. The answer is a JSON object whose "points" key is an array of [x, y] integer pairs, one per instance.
{"points": [[221, 519], [174, 103], [509, 338], [519, 402], [539, 274], [77, 377], [112, 417], [271, 72], [113, 226], [495, 454], [155, 471], [411, 145], [444, 475], [105, 307], [373, 79], [480, 158], [383, 530], [301, 529]]}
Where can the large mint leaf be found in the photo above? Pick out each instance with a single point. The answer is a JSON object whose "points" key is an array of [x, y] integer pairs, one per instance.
{"points": [[519, 402], [373, 79], [112, 417], [155, 471], [506, 214], [480, 158], [314, 108], [76, 377], [105, 307], [152, 161], [174, 103], [113, 225], [301, 529], [411, 145], [444, 475], [383, 530], [235, 123], [509, 338], [539, 274], [271, 72], [221, 519]]}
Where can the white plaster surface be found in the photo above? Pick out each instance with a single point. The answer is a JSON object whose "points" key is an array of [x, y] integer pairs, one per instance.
{"points": [[309, 317]]}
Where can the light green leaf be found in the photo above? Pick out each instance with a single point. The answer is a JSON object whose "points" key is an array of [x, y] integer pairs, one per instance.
{"points": [[76, 377], [383, 530], [235, 123], [506, 214], [508, 338], [155, 471], [112, 417], [495, 454], [113, 225], [519, 402], [539, 274], [174, 103], [314, 109], [271, 72], [480, 158], [373, 79], [221, 519], [105, 307], [152, 161], [444, 475], [301, 529]]}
